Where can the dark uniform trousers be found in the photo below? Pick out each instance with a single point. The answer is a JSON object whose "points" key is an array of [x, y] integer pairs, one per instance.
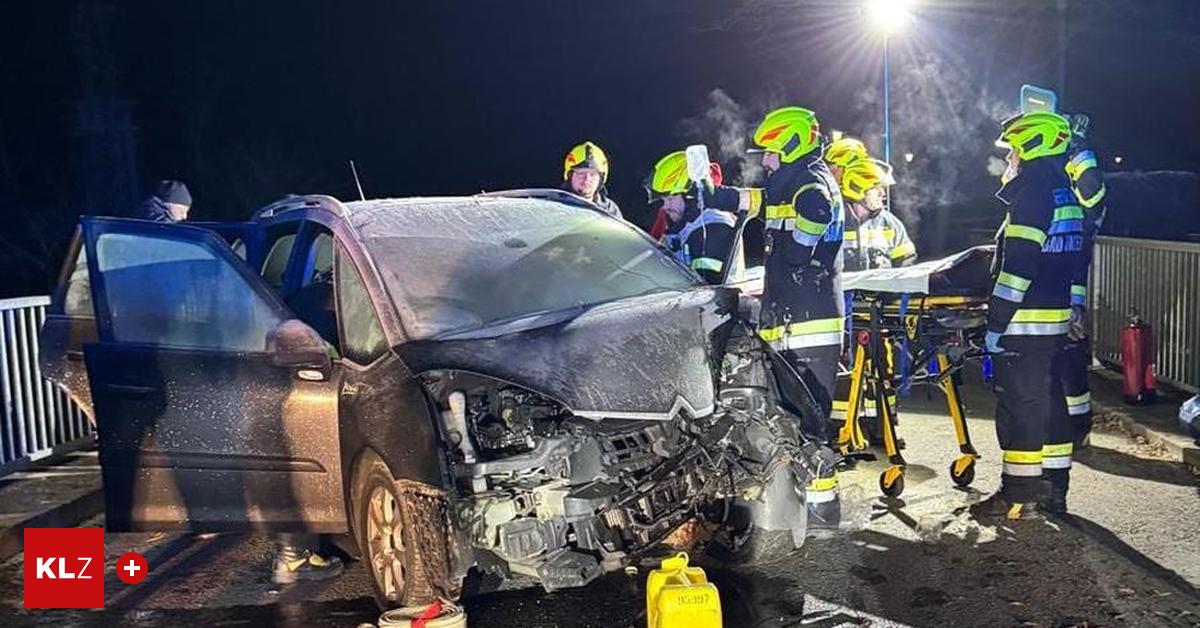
{"points": [[1077, 357], [1031, 410]]}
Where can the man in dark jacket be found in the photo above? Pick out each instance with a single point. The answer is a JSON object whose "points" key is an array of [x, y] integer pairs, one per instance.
{"points": [[585, 173], [170, 202], [1029, 317]]}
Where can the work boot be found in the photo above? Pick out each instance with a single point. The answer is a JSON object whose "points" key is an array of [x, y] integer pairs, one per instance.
{"points": [[1054, 500], [999, 507], [293, 564]]}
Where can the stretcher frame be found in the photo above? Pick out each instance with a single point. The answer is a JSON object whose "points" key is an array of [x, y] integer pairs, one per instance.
{"points": [[946, 331]]}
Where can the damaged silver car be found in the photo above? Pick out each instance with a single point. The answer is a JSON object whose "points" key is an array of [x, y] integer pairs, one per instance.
{"points": [[513, 383]]}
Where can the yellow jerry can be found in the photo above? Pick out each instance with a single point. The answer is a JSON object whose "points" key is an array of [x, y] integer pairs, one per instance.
{"points": [[678, 596]]}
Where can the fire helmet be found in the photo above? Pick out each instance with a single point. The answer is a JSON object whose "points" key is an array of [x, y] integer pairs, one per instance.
{"points": [[862, 175], [586, 155], [670, 175], [793, 132], [845, 151], [1036, 134]]}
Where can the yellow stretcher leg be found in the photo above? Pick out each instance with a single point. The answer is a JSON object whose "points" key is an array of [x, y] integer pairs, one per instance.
{"points": [[962, 470], [891, 481], [851, 436]]}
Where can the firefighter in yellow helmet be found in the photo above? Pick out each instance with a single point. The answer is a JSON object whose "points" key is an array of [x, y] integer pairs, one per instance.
{"points": [[875, 237], [585, 173], [802, 309], [699, 237], [842, 152], [1029, 314]]}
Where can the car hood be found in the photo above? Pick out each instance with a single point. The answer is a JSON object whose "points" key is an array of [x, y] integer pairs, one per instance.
{"points": [[646, 357]]}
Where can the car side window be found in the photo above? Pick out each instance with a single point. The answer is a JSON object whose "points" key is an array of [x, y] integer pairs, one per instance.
{"points": [[275, 263], [320, 258], [363, 341], [78, 299], [313, 302], [178, 293]]}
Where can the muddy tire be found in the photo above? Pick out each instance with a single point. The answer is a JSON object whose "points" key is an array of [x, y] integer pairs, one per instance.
{"points": [[387, 540]]}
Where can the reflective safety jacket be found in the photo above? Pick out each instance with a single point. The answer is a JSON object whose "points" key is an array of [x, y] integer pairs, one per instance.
{"points": [[704, 241], [1040, 248], [880, 241], [802, 297], [1087, 182]]}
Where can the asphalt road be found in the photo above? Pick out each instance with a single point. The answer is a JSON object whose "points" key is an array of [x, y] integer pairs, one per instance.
{"points": [[1129, 556]]}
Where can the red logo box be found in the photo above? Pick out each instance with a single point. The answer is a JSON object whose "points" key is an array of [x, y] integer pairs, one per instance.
{"points": [[64, 568]]}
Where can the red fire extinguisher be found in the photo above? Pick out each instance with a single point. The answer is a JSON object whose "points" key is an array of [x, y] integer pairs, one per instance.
{"points": [[1137, 359]]}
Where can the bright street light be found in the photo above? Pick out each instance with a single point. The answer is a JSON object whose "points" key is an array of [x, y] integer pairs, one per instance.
{"points": [[889, 16], [908, 157]]}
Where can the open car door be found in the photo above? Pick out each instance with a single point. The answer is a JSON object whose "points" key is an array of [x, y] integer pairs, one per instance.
{"points": [[71, 321], [216, 409]]}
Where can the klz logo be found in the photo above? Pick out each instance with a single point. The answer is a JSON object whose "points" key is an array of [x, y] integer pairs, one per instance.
{"points": [[64, 568]]}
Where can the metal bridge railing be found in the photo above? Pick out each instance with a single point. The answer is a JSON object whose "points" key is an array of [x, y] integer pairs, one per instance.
{"points": [[1160, 281], [38, 417]]}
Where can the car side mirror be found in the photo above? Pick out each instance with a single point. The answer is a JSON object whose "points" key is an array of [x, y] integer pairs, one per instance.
{"points": [[294, 344]]}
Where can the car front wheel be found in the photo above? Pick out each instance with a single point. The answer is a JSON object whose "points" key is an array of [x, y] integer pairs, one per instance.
{"points": [[387, 542]]}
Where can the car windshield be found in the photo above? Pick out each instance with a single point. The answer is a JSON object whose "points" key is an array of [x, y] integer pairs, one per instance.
{"points": [[462, 266]]}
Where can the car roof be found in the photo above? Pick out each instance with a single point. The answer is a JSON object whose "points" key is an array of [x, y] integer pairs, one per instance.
{"points": [[294, 207]]}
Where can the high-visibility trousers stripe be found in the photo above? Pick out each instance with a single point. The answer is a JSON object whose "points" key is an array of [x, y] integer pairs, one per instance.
{"points": [[1032, 470], [1057, 455], [1080, 404], [1022, 463]]}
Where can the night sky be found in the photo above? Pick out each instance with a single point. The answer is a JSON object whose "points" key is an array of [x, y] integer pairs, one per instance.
{"points": [[247, 101]]}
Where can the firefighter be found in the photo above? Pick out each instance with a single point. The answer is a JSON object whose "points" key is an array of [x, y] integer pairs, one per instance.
{"points": [[876, 237], [700, 238], [842, 152], [802, 310], [585, 173], [1029, 315], [1087, 183]]}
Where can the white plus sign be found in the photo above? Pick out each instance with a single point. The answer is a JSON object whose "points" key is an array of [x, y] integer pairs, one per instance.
{"points": [[132, 568]]}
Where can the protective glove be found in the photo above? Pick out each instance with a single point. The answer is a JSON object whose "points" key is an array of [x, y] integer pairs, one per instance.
{"points": [[991, 342], [1077, 329]]}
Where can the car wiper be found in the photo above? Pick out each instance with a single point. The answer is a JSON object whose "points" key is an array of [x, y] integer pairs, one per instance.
{"points": [[512, 324]]}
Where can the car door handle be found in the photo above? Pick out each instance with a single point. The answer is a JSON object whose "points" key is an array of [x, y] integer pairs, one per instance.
{"points": [[132, 390], [75, 356]]}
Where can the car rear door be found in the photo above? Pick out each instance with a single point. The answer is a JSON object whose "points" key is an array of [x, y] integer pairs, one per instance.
{"points": [[200, 427], [70, 323]]}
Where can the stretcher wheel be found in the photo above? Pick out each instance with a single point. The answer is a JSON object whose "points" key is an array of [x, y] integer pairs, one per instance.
{"points": [[962, 471], [891, 481]]}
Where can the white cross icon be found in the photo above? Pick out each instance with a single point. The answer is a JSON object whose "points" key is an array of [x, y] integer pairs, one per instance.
{"points": [[132, 568]]}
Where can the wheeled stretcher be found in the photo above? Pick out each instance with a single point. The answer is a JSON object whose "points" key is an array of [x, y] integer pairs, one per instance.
{"points": [[912, 326]]}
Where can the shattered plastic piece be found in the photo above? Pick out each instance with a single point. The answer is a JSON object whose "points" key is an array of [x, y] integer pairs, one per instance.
{"points": [[856, 508], [931, 527]]}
